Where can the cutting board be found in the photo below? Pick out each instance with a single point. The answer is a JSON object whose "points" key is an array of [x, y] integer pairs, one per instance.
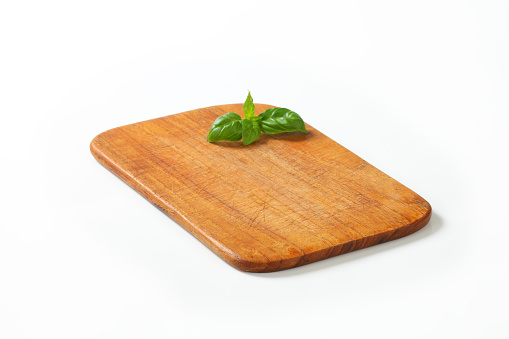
{"points": [[284, 201]]}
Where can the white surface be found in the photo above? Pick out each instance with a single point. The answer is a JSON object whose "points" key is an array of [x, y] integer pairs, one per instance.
{"points": [[418, 89]]}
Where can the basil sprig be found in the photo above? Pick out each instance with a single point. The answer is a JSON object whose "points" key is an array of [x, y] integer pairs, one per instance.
{"points": [[232, 127]]}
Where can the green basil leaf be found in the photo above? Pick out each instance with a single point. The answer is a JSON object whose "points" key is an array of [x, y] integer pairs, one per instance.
{"points": [[278, 120], [226, 127], [250, 131], [249, 108]]}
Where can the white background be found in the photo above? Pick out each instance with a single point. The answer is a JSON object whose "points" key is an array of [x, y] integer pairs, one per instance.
{"points": [[417, 88]]}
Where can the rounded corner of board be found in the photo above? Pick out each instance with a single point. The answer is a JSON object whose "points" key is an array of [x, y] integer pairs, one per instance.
{"points": [[95, 144]]}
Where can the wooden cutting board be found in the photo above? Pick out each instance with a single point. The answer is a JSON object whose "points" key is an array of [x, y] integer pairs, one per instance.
{"points": [[284, 201]]}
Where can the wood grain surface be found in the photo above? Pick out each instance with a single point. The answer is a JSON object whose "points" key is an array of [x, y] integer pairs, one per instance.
{"points": [[284, 201]]}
